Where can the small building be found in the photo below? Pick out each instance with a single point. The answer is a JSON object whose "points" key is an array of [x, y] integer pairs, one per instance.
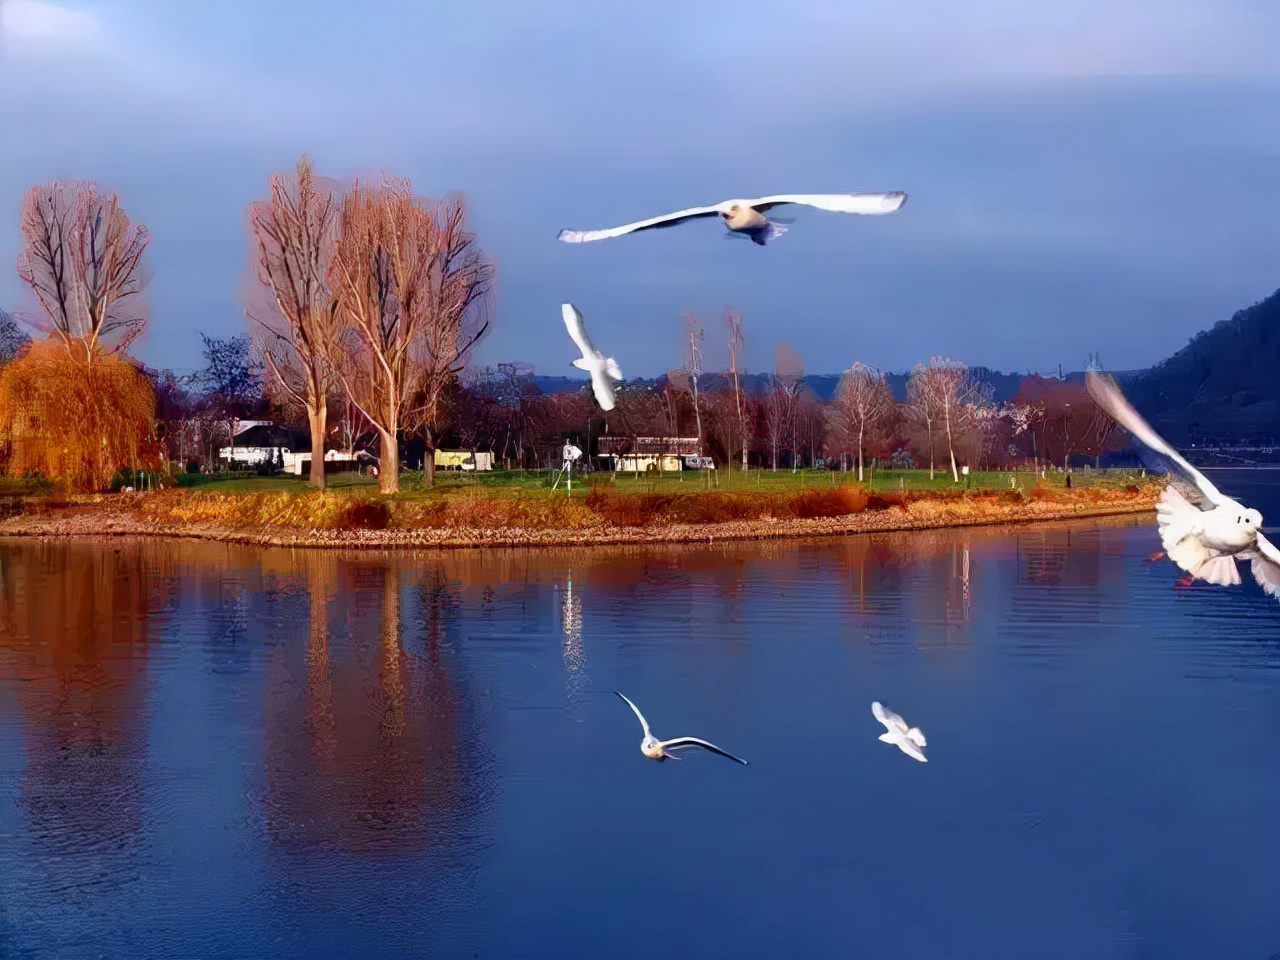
{"points": [[664, 454], [265, 443], [463, 459]]}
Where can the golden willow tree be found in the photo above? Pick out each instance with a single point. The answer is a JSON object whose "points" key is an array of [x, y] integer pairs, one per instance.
{"points": [[293, 238], [412, 288], [78, 418], [73, 406]]}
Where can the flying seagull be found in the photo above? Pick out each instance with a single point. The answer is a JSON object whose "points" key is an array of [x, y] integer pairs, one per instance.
{"points": [[747, 217], [1204, 533], [593, 361], [909, 740], [659, 750]]}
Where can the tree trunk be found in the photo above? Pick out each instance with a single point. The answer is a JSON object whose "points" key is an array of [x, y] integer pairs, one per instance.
{"points": [[951, 450], [318, 421], [697, 414], [929, 428], [859, 452], [388, 463]]}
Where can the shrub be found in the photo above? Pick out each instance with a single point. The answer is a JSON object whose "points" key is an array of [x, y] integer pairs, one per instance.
{"points": [[627, 510], [714, 508], [837, 502]]}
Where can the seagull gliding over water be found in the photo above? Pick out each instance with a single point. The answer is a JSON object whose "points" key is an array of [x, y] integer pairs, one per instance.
{"points": [[659, 750], [909, 740], [1205, 538], [593, 361], [747, 217]]}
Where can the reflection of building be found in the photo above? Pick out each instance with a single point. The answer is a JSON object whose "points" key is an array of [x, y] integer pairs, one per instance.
{"points": [[1046, 557], [575, 657], [362, 749], [75, 624]]}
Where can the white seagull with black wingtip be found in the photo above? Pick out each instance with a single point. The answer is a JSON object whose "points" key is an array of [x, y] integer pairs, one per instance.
{"points": [[1205, 541], [909, 740], [659, 750], [747, 217], [593, 361]]}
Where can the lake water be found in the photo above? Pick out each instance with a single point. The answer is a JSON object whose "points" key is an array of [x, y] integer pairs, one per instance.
{"points": [[218, 751]]}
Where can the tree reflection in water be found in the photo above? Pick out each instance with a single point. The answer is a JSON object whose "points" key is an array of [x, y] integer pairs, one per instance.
{"points": [[362, 737], [77, 624]]}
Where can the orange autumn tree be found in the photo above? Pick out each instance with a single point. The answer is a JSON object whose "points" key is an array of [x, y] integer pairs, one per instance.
{"points": [[293, 238], [411, 285], [76, 421], [73, 407]]}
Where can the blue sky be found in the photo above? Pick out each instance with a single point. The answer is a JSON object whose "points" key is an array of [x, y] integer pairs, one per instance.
{"points": [[1082, 176]]}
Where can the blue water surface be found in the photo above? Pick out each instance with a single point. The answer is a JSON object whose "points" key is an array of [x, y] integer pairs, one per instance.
{"points": [[218, 751]]}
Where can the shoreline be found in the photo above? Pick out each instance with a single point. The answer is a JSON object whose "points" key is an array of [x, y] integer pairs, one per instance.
{"points": [[97, 522]]}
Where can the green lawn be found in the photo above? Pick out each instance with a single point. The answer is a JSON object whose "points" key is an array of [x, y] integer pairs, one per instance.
{"points": [[508, 483]]}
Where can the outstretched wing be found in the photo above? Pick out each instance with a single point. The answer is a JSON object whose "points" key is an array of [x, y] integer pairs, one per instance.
{"points": [[873, 204], [603, 390], [643, 722], [888, 717], [666, 220], [679, 742], [1106, 394], [1266, 565], [577, 328]]}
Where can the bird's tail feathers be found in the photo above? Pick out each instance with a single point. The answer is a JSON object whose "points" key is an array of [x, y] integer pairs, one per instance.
{"points": [[772, 231], [1221, 570], [887, 738], [581, 364], [611, 368]]}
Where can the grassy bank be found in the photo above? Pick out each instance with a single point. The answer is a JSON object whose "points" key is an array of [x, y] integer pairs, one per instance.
{"points": [[541, 483], [523, 509]]}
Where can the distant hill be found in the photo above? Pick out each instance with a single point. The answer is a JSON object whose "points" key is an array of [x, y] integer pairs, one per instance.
{"points": [[1222, 386], [1004, 385]]}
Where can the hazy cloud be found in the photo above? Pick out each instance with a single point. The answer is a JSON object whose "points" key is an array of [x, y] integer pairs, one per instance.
{"points": [[1079, 173]]}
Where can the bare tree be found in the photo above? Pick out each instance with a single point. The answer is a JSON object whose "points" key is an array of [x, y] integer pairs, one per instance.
{"points": [[83, 260], [460, 285], [945, 395], [782, 399], [410, 282], [958, 394], [737, 341], [861, 404], [693, 366], [676, 386], [1023, 418], [924, 405], [294, 236]]}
